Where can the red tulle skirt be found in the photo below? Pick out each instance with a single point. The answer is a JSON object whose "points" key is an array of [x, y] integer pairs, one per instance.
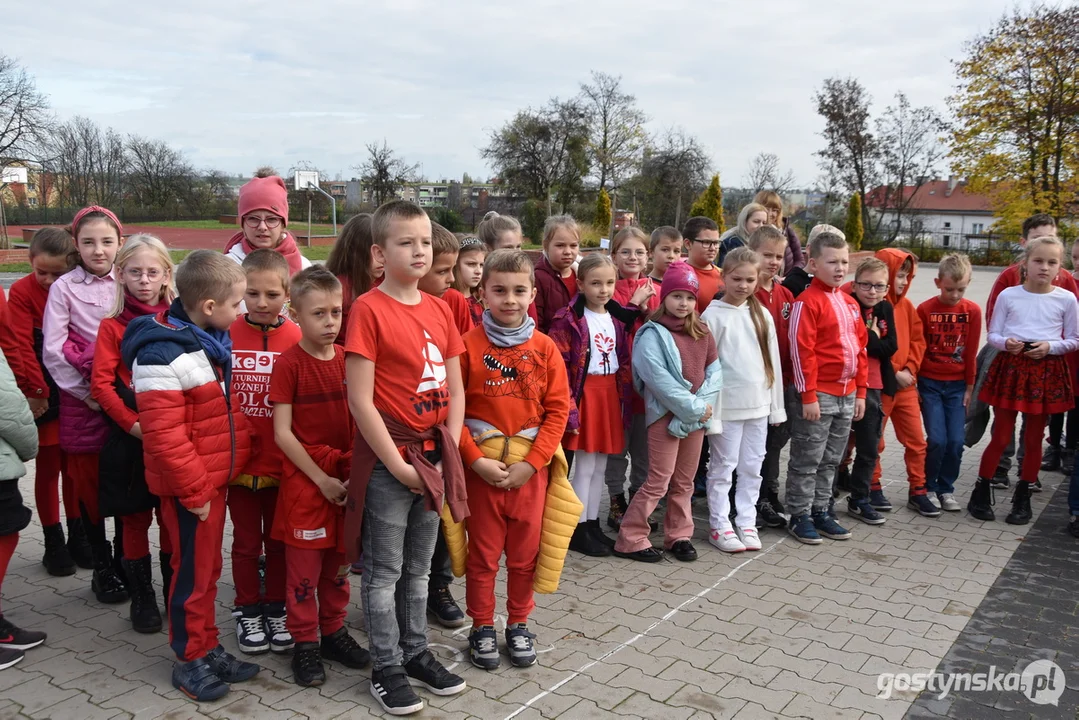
{"points": [[601, 417], [1035, 387]]}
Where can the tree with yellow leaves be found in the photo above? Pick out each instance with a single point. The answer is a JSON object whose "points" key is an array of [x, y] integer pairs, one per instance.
{"points": [[710, 204]]}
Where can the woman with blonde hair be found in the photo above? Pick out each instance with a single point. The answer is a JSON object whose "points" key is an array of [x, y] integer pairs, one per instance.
{"points": [[793, 257], [751, 217]]}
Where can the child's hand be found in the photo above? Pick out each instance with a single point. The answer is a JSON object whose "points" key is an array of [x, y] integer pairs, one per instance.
{"points": [[1013, 346], [859, 408], [811, 411], [707, 414], [202, 513], [38, 406], [873, 327], [904, 379], [493, 472], [518, 475], [408, 477], [92, 404], [967, 395], [332, 489], [642, 295], [1038, 351]]}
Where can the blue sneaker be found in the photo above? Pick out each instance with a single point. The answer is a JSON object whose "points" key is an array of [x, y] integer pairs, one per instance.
{"points": [[230, 668], [862, 510], [801, 528], [826, 525], [878, 502], [198, 681], [923, 506]]}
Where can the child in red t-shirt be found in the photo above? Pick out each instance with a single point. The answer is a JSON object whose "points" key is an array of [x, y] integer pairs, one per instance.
{"points": [[404, 388], [702, 245], [258, 339], [314, 430]]}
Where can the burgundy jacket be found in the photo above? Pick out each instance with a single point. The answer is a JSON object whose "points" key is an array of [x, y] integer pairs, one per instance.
{"points": [[551, 295]]}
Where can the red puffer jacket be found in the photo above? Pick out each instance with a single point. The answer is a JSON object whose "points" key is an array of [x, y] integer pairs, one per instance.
{"points": [[195, 435]]}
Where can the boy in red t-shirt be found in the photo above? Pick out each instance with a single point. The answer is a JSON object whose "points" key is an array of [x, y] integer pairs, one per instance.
{"points": [[953, 328], [405, 392], [314, 430], [702, 245], [517, 393], [258, 339]]}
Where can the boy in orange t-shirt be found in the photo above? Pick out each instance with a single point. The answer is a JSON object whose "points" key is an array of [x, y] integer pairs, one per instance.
{"points": [[314, 430], [258, 339], [701, 235], [404, 388], [516, 386]]}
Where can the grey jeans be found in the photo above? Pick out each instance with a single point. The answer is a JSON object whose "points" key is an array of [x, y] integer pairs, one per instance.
{"points": [[398, 541], [816, 449], [637, 451]]}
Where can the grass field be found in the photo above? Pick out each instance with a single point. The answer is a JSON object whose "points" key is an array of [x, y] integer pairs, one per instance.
{"points": [[318, 253]]}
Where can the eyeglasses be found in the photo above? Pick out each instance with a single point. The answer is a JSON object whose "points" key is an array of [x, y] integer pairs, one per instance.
{"points": [[708, 244], [153, 274], [633, 253], [253, 221], [870, 286]]}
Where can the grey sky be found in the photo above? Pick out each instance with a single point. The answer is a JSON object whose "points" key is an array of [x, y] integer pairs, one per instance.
{"points": [[240, 83]]}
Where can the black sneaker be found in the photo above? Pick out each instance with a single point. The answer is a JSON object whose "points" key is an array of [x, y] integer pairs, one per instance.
{"points": [[343, 648], [426, 670], [1000, 480], [1051, 458], [15, 638], [922, 505], [307, 667], [483, 647], [827, 525], [198, 681], [1036, 486], [391, 688], [230, 668], [10, 657], [1073, 527], [684, 551], [520, 646], [862, 510], [879, 502], [441, 604], [768, 515], [773, 500]]}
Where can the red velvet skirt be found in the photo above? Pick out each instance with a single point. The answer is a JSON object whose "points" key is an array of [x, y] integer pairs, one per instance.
{"points": [[1035, 387], [601, 417]]}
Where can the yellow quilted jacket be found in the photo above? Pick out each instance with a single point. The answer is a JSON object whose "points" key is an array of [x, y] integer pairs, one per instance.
{"points": [[561, 512]]}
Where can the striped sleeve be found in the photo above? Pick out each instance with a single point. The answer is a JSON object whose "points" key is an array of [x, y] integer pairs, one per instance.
{"points": [[803, 359]]}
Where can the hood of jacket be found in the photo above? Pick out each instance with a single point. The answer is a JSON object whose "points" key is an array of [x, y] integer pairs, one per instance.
{"points": [[151, 329], [894, 259]]}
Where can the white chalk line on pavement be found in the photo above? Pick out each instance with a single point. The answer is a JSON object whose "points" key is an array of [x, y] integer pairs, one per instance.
{"points": [[587, 666]]}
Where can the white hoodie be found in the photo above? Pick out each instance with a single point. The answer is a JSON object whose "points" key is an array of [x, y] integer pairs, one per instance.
{"points": [[745, 394]]}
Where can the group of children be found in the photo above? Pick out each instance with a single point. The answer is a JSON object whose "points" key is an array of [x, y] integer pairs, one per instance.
{"points": [[412, 411]]}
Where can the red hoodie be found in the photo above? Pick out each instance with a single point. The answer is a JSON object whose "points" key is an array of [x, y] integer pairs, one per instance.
{"points": [[828, 340], [910, 338]]}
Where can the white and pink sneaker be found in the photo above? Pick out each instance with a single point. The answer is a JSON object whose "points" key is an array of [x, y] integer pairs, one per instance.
{"points": [[727, 541], [750, 538]]}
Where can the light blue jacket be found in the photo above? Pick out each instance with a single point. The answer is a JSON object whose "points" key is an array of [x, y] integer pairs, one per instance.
{"points": [[657, 376], [18, 434]]}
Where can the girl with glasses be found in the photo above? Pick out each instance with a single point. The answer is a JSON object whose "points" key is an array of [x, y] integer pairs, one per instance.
{"points": [[263, 210]]}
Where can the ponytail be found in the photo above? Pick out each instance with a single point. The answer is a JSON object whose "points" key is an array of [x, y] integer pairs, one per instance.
{"points": [[760, 324]]}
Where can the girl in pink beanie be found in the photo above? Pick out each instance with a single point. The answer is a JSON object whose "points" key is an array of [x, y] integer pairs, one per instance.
{"points": [[263, 210]]}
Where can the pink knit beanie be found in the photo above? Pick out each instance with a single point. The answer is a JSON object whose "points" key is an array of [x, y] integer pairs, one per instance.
{"points": [[679, 276], [264, 193]]}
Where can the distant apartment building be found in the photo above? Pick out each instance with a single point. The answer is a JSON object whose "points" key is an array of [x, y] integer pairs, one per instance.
{"points": [[28, 185], [452, 194]]}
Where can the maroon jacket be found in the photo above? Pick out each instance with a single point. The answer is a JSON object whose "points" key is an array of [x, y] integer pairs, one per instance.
{"points": [[551, 295]]}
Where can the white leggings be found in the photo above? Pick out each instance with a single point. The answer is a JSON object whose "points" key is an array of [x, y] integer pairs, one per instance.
{"points": [[588, 481]]}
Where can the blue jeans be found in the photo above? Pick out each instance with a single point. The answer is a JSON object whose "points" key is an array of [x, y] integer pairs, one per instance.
{"points": [[398, 541], [944, 417]]}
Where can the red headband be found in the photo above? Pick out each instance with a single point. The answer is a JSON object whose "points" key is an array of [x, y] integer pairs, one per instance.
{"points": [[95, 209]]}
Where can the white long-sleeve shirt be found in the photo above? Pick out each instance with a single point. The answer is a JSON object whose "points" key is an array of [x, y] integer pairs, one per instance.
{"points": [[1036, 317]]}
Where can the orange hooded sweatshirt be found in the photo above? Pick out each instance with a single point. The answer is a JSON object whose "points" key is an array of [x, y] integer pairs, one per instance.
{"points": [[908, 326]]}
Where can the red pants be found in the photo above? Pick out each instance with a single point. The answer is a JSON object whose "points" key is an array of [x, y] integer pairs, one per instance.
{"points": [[196, 568], [83, 470], [905, 412], [51, 462], [503, 520], [1003, 433], [318, 591], [252, 514], [136, 529], [7, 549]]}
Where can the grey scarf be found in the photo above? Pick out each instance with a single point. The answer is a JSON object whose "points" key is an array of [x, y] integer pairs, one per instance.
{"points": [[507, 337]]}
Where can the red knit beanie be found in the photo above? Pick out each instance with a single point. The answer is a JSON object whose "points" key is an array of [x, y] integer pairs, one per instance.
{"points": [[679, 276], [264, 193]]}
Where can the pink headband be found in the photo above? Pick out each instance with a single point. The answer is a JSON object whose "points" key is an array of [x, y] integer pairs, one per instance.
{"points": [[94, 209]]}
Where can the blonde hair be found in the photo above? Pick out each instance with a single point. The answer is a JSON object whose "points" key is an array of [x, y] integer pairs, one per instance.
{"points": [[389, 212], [745, 256], [556, 223], [955, 266], [493, 225], [267, 260], [469, 244], [765, 234], [508, 261], [1038, 242], [593, 261], [137, 243], [694, 327], [870, 264], [625, 235], [745, 214], [825, 228], [206, 275], [819, 242]]}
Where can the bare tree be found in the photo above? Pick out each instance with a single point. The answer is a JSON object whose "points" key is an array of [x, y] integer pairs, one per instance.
{"points": [[675, 169], [384, 172], [851, 146], [91, 161], [616, 128], [764, 174], [158, 175], [25, 119]]}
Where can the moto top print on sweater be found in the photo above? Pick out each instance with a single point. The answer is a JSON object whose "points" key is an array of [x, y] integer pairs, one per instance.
{"points": [[952, 334]]}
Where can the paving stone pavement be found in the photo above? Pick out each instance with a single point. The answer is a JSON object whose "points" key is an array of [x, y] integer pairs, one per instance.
{"points": [[793, 631]]}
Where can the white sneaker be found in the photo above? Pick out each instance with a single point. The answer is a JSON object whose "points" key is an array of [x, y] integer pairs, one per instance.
{"points": [[948, 503], [750, 538], [934, 499], [251, 634], [726, 540], [276, 628]]}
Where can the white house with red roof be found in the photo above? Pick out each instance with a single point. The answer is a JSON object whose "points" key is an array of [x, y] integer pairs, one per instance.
{"points": [[943, 210]]}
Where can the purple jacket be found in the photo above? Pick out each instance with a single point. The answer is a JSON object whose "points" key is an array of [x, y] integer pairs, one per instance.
{"points": [[82, 430], [569, 330], [551, 295], [793, 256]]}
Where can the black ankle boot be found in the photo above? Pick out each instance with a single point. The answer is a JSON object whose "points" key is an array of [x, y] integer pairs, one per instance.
{"points": [[981, 501], [166, 576], [598, 533], [584, 541], [1021, 513], [1051, 458], [78, 545], [145, 616], [57, 560], [106, 584]]}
